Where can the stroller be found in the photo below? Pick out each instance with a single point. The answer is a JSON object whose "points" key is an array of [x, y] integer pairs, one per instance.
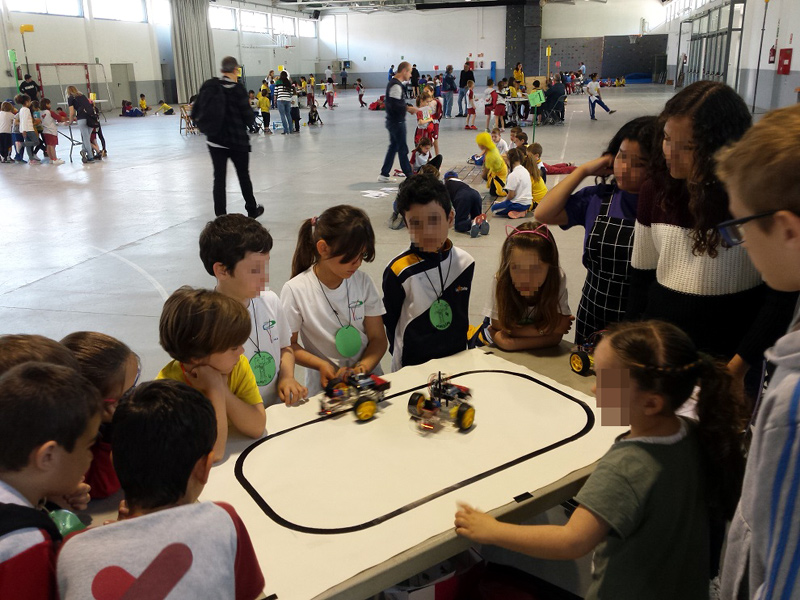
{"points": [[554, 115]]}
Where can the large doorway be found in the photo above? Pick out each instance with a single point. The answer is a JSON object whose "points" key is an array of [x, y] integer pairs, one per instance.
{"points": [[715, 45], [121, 79]]}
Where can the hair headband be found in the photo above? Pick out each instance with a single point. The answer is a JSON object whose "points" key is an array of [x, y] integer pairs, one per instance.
{"points": [[314, 221], [511, 231]]}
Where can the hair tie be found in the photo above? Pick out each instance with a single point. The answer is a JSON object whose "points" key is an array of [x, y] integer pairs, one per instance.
{"points": [[314, 221]]}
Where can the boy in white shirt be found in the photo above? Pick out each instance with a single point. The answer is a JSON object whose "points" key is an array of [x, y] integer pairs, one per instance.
{"points": [[594, 97], [489, 101], [27, 128], [235, 249]]}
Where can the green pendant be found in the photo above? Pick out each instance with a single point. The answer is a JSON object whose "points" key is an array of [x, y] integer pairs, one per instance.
{"points": [[263, 365], [441, 314], [348, 341]]}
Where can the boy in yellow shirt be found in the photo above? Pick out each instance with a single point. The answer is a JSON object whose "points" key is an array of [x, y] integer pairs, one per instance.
{"points": [[263, 106], [204, 333], [143, 104]]}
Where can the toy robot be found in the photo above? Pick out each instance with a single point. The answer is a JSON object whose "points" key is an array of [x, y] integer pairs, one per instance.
{"points": [[362, 392], [446, 402]]}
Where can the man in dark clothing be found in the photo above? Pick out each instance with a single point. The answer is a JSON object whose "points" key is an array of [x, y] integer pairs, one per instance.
{"points": [[553, 93], [228, 140], [466, 75], [396, 111], [30, 87], [414, 81]]}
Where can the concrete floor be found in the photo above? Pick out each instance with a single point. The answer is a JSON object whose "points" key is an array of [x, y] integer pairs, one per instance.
{"points": [[100, 247]]}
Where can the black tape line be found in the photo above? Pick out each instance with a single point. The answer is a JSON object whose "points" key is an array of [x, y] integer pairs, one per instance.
{"points": [[270, 512], [523, 497]]}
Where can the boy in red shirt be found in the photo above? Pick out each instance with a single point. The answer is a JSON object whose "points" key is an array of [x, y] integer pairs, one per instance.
{"points": [[51, 415]]}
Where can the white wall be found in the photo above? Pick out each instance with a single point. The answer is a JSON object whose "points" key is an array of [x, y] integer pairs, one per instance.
{"points": [[57, 39], [594, 19], [427, 38]]}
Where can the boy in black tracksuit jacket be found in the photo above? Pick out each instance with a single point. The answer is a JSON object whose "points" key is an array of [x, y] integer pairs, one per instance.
{"points": [[426, 288]]}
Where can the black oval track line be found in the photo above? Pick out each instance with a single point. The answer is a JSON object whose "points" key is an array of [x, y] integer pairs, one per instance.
{"points": [[270, 512]]}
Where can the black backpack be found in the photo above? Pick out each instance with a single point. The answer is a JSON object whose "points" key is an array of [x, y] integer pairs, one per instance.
{"points": [[208, 110], [14, 517]]}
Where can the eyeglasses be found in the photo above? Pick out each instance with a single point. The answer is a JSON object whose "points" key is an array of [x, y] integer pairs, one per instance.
{"points": [[129, 391], [541, 230], [732, 232]]}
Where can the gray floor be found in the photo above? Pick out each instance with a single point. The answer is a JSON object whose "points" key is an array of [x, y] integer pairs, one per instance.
{"points": [[99, 247]]}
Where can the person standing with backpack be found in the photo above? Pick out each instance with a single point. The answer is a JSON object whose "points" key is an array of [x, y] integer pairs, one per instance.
{"points": [[222, 112]]}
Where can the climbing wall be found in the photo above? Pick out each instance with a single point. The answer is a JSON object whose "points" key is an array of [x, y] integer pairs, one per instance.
{"points": [[609, 56], [571, 52], [620, 57]]}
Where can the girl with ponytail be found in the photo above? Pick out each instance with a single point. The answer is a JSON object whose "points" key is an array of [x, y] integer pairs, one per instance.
{"points": [[335, 308], [646, 509]]}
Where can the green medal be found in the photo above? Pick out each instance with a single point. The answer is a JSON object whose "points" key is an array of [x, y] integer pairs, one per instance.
{"points": [[348, 341], [441, 314], [263, 365]]}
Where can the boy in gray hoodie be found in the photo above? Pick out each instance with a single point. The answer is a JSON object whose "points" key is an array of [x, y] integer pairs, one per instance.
{"points": [[762, 559]]}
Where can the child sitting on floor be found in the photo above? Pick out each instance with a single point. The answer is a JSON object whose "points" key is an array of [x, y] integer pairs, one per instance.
{"points": [[163, 451], [528, 305], [143, 104], [535, 150], [165, 108], [468, 206], [421, 156], [519, 195], [203, 332], [313, 115]]}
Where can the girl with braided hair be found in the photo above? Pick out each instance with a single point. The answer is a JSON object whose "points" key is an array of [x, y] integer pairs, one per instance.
{"points": [[647, 508]]}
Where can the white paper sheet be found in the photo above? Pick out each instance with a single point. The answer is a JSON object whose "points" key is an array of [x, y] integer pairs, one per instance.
{"points": [[340, 473]]}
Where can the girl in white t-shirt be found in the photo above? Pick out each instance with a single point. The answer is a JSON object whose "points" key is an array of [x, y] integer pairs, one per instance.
{"points": [[335, 308], [6, 123], [519, 199], [50, 132], [528, 307]]}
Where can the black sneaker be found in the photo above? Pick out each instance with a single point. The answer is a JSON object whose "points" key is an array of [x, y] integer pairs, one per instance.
{"points": [[257, 213], [83, 156]]}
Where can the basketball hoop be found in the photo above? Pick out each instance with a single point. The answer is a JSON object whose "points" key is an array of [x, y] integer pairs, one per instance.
{"points": [[634, 38]]}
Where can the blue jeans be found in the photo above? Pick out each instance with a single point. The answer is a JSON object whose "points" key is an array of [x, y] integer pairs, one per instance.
{"points": [[448, 104], [502, 208], [592, 106], [285, 111], [86, 137], [462, 100], [397, 145]]}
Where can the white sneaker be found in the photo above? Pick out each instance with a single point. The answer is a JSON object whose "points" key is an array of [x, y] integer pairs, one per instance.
{"points": [[386, 179], [58, 161]]}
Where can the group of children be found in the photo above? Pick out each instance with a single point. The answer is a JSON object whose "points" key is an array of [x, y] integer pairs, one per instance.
{"points": [[32, 127], [646, 509]]}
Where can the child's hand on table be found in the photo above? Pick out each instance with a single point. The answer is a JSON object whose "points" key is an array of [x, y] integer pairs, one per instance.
{"points": [[290, 390], [563, 325], [327, 372], [474, 524]]}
